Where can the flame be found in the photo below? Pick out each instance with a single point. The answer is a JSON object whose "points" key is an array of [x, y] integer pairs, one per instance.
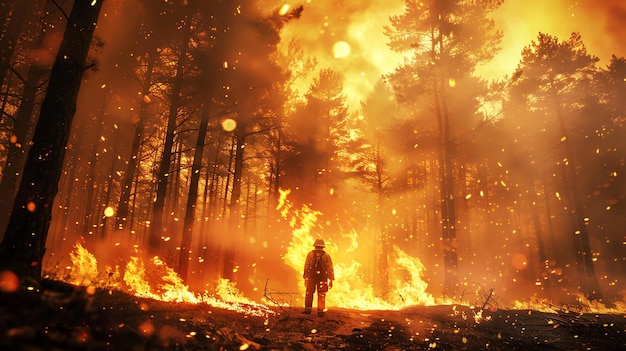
{"points": [[350, 289], [84, 266], [159, 282], [581, 305]]}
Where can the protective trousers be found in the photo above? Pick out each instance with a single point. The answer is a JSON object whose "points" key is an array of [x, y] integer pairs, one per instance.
{"points": [[311, 287]]}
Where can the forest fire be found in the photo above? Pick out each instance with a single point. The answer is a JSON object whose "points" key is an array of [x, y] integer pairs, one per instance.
{"points": [[162, 283], [461, 161]]}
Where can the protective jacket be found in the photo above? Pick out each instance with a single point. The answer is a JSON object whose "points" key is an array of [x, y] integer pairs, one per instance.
{"points": [[318, 266]]}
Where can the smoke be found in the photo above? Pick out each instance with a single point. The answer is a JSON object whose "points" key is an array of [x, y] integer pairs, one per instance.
{"points": [[602, 24], [324, 23], [348, 38], [609, 22]]}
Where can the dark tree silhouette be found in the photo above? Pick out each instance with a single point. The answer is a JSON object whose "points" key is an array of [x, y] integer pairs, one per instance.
{"points": [[23, 246]]}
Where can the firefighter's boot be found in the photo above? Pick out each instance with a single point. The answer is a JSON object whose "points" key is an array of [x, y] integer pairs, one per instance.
{"points": [[321, 304]]}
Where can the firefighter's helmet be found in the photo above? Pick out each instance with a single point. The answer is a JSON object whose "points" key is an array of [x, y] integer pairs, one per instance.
{"points": [[319, 243]]}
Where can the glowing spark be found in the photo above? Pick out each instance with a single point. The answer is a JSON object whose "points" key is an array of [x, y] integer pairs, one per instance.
{"points": [[31, 206], [451, 82], [109, 212], [229, 124], [284, 9], [341, 49]]}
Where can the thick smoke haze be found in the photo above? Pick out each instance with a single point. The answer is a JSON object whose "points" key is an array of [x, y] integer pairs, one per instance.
{"points": [[602, 25]]}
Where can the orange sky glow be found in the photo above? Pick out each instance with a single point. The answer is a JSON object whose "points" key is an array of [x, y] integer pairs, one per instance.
{"points": [[363, 56]]}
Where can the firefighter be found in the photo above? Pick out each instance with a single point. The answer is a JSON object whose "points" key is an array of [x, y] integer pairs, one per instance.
{"points": [[318, 275]]}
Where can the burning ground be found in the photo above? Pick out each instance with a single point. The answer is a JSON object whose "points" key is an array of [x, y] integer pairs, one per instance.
{"points": [[61, 316], [142, 303]]}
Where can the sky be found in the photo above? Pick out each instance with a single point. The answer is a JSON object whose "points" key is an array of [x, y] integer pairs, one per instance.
{"points": [[326, 23]]}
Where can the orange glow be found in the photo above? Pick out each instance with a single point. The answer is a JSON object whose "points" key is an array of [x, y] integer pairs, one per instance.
{"points": [[229, 124], [323, 22], [31, 206], [284, 9], [519, 261], [9, 282]]}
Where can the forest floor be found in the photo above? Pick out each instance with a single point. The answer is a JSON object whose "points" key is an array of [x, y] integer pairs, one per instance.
{"points": [[59, 316]]}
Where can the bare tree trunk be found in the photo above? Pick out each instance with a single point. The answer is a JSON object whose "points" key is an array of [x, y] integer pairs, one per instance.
{"points": [[210, 246], [190, 209], [448, 218], [102, 230], [382, 252], [23, 246], [584, 255], [156, 224], [233, 215], [133, 160], [90, 184]]}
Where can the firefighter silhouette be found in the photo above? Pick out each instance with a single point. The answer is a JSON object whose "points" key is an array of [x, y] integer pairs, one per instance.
{"points": [[318, 276]]}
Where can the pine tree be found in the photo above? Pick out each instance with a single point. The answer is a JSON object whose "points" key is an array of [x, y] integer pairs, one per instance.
{"points": [[444, 40]]}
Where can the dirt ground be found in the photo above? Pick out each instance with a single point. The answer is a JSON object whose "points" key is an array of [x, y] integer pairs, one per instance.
{"points": [[58, 316]]}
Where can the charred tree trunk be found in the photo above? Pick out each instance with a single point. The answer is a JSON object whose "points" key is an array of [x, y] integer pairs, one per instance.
{"points": [[156, 224], [133, 160], [210, 247], [584, 256], [382, 274], [190, 209], [233, 215], [448, 217], [172, 199], [90, 184], [103, 228], [23, 246]]}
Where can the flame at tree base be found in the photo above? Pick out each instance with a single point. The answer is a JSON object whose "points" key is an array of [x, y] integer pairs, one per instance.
{"points": [[162, 283]]}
